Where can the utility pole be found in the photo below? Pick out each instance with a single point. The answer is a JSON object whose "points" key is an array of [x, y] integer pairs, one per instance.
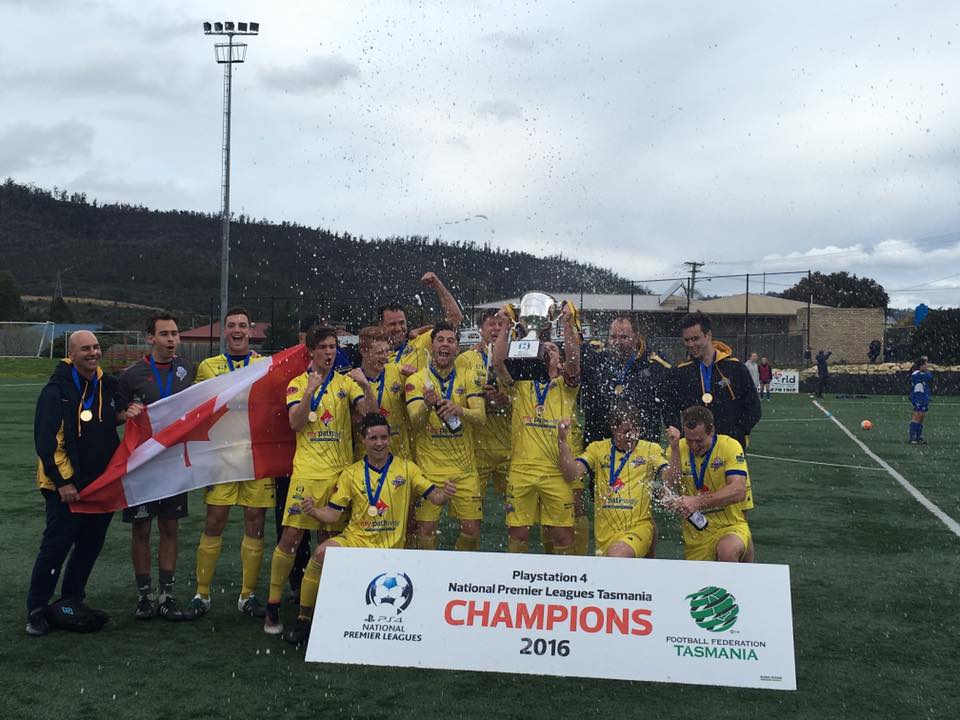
{"points": [[694, 269]]}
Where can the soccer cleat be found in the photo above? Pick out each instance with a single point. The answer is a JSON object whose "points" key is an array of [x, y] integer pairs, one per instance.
{"points": [[37, 623], [271, 623], [145, 608], [251, 606], [169, 610], [299, 633], [199, 605]]}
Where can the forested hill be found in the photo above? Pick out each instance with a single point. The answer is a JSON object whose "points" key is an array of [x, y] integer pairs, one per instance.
{"points": [[172, 259]]}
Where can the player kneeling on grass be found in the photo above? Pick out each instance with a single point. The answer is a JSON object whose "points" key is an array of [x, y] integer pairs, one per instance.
{"points": [[707, 477], [623, 469], [379, 490]]}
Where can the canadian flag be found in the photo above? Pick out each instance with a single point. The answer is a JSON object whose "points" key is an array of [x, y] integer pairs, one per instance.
{"points": [[231, 427]]}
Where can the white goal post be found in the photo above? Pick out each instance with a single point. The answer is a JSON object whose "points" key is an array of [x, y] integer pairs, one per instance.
{"points": [[26, 339]]}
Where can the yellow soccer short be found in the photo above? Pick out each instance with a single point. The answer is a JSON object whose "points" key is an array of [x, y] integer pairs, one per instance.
{"points": [[706, 546], [248, 493], [321, 490], [352, 540], [639, 538], [467, 504], [544, 497], [493, 468]]}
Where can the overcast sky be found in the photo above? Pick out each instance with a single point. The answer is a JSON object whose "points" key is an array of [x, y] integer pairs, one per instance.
{"points": [[752, 136]]}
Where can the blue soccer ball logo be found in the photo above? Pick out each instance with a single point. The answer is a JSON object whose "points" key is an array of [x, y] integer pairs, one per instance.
{"points": [[393, 589]]}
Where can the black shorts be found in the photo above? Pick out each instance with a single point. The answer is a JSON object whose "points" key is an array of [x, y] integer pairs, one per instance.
{"points": [[171, 508]]}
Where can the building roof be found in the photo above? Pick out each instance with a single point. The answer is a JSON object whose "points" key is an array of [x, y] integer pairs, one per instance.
{"points": [[758, 305], [258, 333]]}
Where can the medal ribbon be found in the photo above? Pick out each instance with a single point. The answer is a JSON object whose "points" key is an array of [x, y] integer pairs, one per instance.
{"points": [[87, 402], [378, 379], [698, 480], [626, 370], [400, 351], [318, 396], [541, 396], [246, 361], [374, 497], [706, 374], [613, 454], [446, 389], [164, 390]]}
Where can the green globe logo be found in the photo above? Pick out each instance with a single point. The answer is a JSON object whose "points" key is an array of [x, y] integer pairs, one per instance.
{"points": [[713, 608]]}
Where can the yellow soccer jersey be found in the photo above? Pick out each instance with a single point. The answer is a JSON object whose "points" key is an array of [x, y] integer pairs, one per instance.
{"points": [[388, 389], [221, 365], [494, 439], [624, 503], [441, 452], [725, 459], [415, 351], [325, 446], [534, 423], [402, 486]]}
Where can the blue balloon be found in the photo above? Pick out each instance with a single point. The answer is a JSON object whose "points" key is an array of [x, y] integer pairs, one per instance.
{"points": [[920, 313]]}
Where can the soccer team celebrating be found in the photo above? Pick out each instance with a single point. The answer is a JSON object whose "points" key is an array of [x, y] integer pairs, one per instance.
{"points": [[410, 424]]}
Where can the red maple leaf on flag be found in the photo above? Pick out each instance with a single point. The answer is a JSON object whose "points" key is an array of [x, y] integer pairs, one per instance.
{"points": [[193, 427]]}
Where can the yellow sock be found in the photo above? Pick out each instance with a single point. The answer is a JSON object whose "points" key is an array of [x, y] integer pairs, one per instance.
{"points": [[427, 542], [310, 587], [207, 555], [547, 540], [280, 567], [467, 542], [517, 546], [251, 558], [581, 534], [563, 550]]}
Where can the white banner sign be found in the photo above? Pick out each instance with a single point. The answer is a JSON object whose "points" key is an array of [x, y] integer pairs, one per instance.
{"points": [[785, 381], [704, 623]]}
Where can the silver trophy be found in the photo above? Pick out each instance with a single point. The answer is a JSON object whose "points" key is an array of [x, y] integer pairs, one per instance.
{"points": [[538, 312]]}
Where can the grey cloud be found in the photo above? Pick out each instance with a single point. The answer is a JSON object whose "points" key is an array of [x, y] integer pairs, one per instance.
{"points": [[97, 78], [500, 109], [518, 42], [26, 145], [314, 75]]}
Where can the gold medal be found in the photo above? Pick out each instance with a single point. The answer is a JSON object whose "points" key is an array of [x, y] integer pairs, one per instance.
{"points": [[372, 511], [707, 398], [539, 409], [618, 390], [86, 415], [312, 417]]}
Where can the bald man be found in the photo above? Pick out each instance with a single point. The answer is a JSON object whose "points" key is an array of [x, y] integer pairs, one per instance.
{"points": [[75, 433]]}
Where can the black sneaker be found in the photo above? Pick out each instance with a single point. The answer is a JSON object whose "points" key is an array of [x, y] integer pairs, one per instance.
{"points": [[251, 606], [299, 633], [169, 610], [37, 623], [145, 607], [271, 623]]}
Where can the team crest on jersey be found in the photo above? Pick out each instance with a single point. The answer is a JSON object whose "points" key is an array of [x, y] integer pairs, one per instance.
{"points": [[292, 390], [637, 462], [724, 382], [396, 387], [181, 372], [398, 481], [717, 464], [461, 390], [341, 394]]}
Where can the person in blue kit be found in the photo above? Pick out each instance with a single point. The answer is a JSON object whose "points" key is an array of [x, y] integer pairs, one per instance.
{"points": [[920, 381]]}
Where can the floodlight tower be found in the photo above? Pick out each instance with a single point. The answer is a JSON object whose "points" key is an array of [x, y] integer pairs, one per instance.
{"points": [[227, 54]]}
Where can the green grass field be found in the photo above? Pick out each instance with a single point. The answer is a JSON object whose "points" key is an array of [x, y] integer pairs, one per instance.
{"points": [[875, 595]]}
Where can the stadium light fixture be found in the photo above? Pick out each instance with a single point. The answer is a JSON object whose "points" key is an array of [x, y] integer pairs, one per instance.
{"points": [[227, 54]]}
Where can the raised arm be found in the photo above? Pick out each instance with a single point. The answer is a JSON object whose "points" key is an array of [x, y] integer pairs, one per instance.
{"points": [[451, 308], [571, 345], [571, 469]]}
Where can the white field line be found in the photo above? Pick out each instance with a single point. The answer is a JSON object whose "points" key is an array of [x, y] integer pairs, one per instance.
{"points": [[23, 384], [751, 455], [952, 525], [765, 420]]}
